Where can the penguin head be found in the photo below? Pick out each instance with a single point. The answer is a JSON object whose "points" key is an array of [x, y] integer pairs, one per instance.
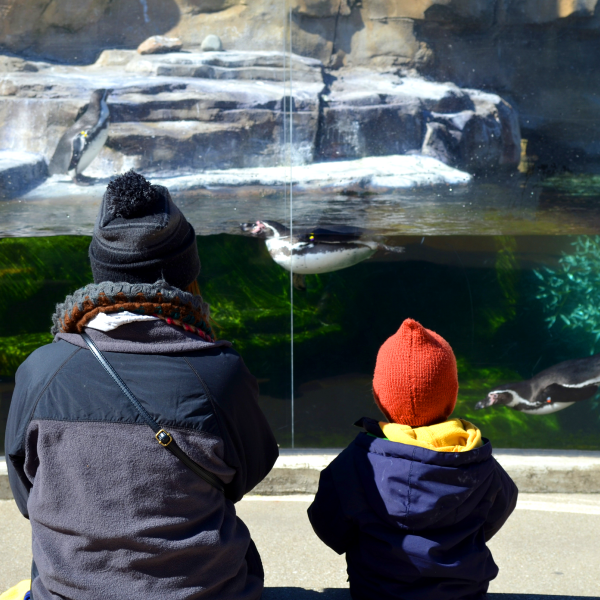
{"points": [[495, 398], [508, 395], [264, 229]]}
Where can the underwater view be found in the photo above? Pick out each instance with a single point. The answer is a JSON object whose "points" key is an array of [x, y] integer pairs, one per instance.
{"points": [[511, 306], [345, 165]]}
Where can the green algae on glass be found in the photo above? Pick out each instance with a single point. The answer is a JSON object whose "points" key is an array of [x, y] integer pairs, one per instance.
{"points": [[250, 295], [571, 293], [508, 272], [340, 321], [574, 184], [250, 301], [35, 274]]}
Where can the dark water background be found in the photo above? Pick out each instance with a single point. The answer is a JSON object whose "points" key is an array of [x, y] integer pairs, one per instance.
{"points": [[480, 292]]}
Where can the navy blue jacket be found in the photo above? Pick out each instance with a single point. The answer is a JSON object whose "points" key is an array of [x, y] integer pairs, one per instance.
{"points": [[413, 522]]}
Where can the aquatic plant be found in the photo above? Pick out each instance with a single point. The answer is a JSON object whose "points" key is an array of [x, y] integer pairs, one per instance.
{"points": [[340, 321], [571, 293], [573, 185], [507, 269], [35, 274]]}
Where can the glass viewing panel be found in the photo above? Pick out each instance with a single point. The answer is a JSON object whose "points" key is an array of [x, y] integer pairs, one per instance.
{"points": [[346, 165]]}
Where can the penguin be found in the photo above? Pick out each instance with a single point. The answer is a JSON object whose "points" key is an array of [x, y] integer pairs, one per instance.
{"points": [[551, 390], [320, 250], [82, 142]]}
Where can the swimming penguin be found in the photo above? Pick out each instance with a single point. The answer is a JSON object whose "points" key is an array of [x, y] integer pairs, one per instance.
{"points": [[550, 390], [82, 142], [319, 250]]}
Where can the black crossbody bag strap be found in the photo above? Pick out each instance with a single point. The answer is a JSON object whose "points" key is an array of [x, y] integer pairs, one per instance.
{"points": [[164, 438]]}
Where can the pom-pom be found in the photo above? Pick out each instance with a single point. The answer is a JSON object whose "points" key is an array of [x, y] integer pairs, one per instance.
{"points": [[130, 195]]}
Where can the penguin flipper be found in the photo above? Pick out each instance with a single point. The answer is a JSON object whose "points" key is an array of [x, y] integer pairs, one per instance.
{"points": [[78, 144], [59, 163], [560, 393], [63, 154]]}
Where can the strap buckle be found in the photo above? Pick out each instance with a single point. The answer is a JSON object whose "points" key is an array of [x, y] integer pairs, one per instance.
{"points": [[164, 438]]}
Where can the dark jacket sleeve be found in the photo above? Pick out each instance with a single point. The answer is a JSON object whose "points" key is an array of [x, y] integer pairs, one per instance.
{"points": [[14, 441], [250, 446], [327, 517], [15, 459], [504, 503], [31, 380]]}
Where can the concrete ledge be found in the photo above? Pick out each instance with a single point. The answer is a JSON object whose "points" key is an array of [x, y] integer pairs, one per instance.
{"points": [[534, 471], [552, 471]]}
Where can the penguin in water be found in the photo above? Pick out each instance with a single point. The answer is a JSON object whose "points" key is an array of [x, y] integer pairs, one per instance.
{"points": [[320, 250], [550, 390], [82, 142]]}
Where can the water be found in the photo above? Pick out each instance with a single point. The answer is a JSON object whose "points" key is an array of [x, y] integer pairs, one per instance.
{"points": [[484, 266], [480, 292], [514, 205]]}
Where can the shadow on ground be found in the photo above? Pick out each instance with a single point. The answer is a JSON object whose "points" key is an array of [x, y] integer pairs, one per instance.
{"points": [[296, 593], [537, 597]]}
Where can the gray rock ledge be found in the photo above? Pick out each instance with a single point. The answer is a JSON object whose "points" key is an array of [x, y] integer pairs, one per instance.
{"points": [[19, 172]]}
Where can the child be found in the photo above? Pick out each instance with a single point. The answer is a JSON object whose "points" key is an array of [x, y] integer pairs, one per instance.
{"points": [[413, 501]]}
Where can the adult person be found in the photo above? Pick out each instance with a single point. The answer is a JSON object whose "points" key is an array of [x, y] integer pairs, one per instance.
{"points": [[114, 514]]}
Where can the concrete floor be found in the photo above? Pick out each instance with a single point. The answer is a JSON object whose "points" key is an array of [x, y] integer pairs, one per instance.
{"points": [[550, 547]]}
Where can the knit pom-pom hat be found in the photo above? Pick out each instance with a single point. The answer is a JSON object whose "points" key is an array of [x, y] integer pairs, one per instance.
{"points": [[415, 381], [141, 236]]}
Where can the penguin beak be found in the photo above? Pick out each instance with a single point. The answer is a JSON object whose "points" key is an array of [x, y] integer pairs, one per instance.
{"points": [[492, 398], [253, 228]]}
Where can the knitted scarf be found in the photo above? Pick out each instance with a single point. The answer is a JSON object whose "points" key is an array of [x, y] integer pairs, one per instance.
{"points": [[159, 299]]}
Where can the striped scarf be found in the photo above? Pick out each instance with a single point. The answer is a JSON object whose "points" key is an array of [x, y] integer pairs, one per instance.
{"points": [[175, 306]]}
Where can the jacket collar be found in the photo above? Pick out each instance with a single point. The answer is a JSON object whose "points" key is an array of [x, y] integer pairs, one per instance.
{"points": [[145, 337]]}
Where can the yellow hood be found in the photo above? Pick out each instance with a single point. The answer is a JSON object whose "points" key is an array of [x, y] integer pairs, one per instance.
{"points": [[453, 435]]}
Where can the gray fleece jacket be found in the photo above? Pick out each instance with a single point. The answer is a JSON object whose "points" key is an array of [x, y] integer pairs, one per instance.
{"points": [[113, 514]]}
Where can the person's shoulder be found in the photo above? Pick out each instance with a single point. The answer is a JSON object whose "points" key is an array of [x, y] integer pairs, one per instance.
{"points": [[222, 357], [47, 358], [224, 372]]}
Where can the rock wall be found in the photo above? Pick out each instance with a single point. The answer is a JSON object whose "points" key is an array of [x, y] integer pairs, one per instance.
{"points": [[352, 32], [187, 112], [538, 54]]}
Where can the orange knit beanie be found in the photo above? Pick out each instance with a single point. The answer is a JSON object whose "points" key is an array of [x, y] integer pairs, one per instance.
{"points": [[415, 381]]}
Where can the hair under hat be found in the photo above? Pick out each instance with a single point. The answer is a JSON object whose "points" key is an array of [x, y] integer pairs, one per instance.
{"points": [[416, 380], [141, 236]]}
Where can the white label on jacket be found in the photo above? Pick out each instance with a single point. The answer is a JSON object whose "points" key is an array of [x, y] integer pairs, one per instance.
{"points": [[110, 321]]}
